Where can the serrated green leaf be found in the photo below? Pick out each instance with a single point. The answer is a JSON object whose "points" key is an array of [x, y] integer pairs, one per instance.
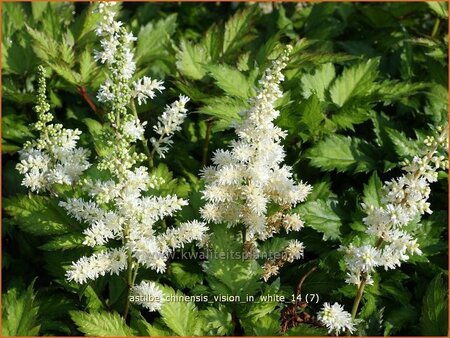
{"points": [[372, 191], [224, 108], [102, 324], [38, 215], [404, 146], [219, 320], [318, 82], [323, 216], [237, 29], [231, 81], [19, 313], [434, 319], [64, 242], [154, 37], [181, 317], [87, 67], [312, 115], [342, 153], [185, 274], [354, 81], [191, 60]]}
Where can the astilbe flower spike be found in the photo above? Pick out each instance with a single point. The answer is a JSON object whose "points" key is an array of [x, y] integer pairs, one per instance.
{"points": [[250, 175], [404, 199]]}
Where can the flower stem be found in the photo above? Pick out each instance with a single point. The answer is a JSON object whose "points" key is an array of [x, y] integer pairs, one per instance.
{"points": [[144, 142], [358, 297], [206, 144]]}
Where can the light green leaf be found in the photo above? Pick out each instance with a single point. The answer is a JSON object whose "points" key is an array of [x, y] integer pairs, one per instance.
{"points": [[318, 82], [404, 146], [185, 274], [64, 242], [312, 115], [219, 320], [20, 312], [87, 66], [354, 81], [440, 8], [372, 191], [236, 30], [225, 108], [101, 324], [38, 215], [182, 318], [434, 319], [154, 37], [231, 81], [323, 216], [191, 60]]}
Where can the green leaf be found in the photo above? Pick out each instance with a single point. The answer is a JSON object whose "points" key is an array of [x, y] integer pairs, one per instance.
{"points": [[64, 242], [404, 146], [372, 191], [219, 320], [237, 29], [154, 37], [323, 216], [101, 324], [231, 81], [354, 81], [312, 116], [37, 8], [181, 317], [15, 127], [318, 82], [185, 275], [342, 153], [20, 312], [38, 215], [434, 319], [99, 134], [224, 108], [191, 60], [88, 67], [440, 8]]}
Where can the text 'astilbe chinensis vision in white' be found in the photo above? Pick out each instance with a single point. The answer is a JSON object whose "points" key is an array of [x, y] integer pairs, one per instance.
{"points": [[404, 199], [54, 157], [250, 176]]}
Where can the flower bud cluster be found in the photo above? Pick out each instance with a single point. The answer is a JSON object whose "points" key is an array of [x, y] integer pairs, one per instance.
{"points": [[53, 158]]}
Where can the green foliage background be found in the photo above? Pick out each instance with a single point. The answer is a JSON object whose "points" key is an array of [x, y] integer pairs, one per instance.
{"points": [[365, 83]]}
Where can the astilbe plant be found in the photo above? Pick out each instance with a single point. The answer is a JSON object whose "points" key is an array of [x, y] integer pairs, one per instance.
{"points": [[390, 240], [250, 177], [118, 211]]}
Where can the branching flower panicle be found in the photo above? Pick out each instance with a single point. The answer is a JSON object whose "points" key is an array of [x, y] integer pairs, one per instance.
{"points": [[245, 179], [404, 199]]}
